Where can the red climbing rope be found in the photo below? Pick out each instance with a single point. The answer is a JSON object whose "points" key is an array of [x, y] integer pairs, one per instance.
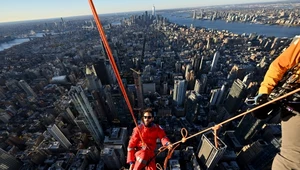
{"points": [[113, 64]]}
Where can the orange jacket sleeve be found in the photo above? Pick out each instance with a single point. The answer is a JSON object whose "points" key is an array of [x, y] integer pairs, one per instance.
{"points": [[289, 58]]}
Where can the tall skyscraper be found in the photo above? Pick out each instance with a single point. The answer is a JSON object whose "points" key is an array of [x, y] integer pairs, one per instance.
{"points": [[258, 155], [179, 91], [153, 12], [197, 86], [8, 162], [59, 136], [27, 88], [177, 67], [196, 63], [235, 97], [109, 101], [85, 109], [194, 14], [93, 82], [110, 157], [165, 88], [222, 94], [192, 107], [139, 88], [203, 81], [100, 70], [208, 154], [214, 97], [215, 61], [187, 70]]}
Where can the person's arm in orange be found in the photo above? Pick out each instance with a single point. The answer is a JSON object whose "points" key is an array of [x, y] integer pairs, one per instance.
{"points": [[289, 58]]}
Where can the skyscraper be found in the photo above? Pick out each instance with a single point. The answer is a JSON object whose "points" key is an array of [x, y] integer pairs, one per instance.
{"points": [[208, 154], [187, 70], [214, 97], [139, 88], [215, 61], [27, 88], [179, 91], [222, 94], [85, 109], [194, 14], [153, 12], [235, 97], [59, 136], [8, 162], [192, 107], [203, 81], [177, 67], [100, 70], [197, 86], [110, 157], [93, 82], [258, 155]]}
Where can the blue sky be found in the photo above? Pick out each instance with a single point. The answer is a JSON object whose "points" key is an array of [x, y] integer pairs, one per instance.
{"points": [[18, 10]]}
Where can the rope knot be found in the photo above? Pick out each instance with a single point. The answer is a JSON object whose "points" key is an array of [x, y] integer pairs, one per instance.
{"points": [[184, 134], [216, 127]]}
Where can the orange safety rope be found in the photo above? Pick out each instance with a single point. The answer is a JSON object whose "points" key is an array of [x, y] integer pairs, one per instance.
{"points": [[113, 64]]}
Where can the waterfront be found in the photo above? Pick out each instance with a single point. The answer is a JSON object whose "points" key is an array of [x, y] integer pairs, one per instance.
{"points": [[235, 27], [17, 41], [12, 43]]}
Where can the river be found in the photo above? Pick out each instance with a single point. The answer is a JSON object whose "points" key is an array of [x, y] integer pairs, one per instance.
{"points": [[235, 27], [18, 41]]}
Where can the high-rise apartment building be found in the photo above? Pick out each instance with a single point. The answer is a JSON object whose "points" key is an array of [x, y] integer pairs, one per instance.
{"points": [[179, 91], [27, 88], [8, 162], [139, 89], [236, 94], [85, 109], [59, 136], [215, 61], [110, 157]]}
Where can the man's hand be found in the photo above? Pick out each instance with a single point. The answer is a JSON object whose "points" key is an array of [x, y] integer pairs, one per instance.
{"points": [[169, 145], [131, 166], [260, 99], [265, 111]]}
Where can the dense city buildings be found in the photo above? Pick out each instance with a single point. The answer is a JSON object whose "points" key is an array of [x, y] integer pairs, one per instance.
{"points": [[61, 106]]}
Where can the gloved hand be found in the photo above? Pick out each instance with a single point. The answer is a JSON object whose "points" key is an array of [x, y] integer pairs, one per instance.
{"points": [[260, 99], [265, 111]]}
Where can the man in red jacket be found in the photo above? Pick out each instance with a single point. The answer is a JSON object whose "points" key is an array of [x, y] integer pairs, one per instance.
{"points": [[138, 156]]}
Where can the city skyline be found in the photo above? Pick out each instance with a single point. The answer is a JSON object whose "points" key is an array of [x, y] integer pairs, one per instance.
{"points": [[22, 10]]}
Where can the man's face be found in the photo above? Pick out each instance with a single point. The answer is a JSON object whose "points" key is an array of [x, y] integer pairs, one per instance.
{"points": [[147, 118]]}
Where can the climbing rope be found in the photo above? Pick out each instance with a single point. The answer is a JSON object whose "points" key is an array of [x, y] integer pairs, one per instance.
{"points": [[114, 66]]}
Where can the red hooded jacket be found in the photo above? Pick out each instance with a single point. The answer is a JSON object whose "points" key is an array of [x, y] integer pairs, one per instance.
{"points": [[149, 135]]}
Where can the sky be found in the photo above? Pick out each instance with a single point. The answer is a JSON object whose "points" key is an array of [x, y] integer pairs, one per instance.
{"points": [[19, 10]]}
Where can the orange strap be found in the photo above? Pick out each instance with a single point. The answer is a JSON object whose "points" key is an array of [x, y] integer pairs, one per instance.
{"points": [[216, 128], [113, 64]]}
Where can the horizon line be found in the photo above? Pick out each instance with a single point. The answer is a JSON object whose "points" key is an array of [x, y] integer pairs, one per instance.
{"points": [[58, 17]]}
